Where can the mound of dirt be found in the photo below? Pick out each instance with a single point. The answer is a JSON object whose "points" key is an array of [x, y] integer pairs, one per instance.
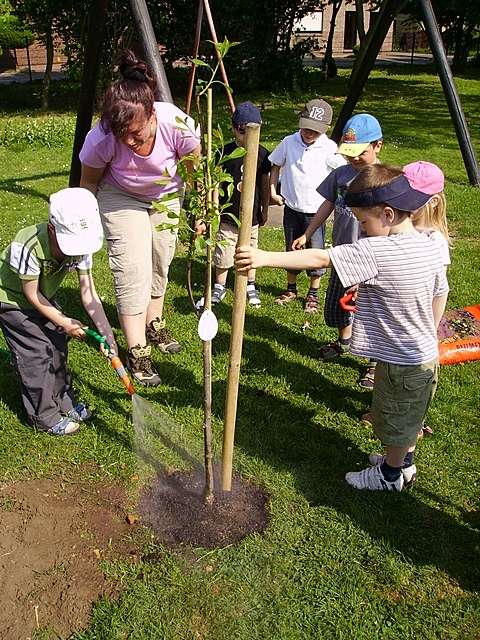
{"points": [[53, 535], [174, 508]]}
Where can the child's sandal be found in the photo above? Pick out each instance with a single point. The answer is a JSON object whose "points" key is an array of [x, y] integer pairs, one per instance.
{"points": [[368, 378], [332, 351]]}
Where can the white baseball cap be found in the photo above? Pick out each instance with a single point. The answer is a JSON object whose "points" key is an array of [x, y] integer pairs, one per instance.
{"points": [[74, 214]]}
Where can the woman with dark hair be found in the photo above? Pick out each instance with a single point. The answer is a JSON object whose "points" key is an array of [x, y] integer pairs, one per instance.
{"points": [[138, 143]]}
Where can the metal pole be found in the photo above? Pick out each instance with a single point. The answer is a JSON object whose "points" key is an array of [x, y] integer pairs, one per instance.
{"points": [[365, 61], [28, 60], [196, 46], [150, 45], [96, 28], [451, 94], [247, 197]]}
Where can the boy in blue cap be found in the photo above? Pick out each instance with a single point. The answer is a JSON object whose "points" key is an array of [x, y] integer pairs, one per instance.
{"points": [[402, 294], [227, 235], [36, 331], [360, 144]]}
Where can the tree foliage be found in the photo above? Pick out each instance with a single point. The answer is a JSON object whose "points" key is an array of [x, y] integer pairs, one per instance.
{"points": [[13, 33], [459, 22]]}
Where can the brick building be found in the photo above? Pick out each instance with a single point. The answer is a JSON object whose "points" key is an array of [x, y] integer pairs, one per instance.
{"points": [[18, 58], [317, 25]]}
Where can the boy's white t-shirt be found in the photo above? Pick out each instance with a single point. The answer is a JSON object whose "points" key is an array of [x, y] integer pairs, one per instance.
{"points": [[399, 276], [304, 167]]}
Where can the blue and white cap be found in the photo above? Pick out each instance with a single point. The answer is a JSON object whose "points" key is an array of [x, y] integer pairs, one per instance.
{"points": [[359, 131]]}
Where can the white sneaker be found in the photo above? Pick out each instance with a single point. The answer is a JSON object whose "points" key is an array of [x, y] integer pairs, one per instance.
{"points": [[372, 479], [64, 427], [409, 473], [253, 297]]}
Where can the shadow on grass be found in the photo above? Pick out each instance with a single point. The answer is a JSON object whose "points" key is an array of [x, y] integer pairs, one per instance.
{"points": [[318, 457], [13, 185]]}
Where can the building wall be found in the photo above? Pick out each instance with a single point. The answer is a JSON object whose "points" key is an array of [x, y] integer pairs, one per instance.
{"points": [[341, 25], [18, 58]]}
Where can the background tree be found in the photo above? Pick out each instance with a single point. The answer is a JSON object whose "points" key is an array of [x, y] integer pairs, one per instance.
{"points": [[328, 65], [44, 18], [459, 21], [13, 34]]}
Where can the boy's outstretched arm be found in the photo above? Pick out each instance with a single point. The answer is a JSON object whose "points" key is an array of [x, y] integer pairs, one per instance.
{"points": [[324, 210], [249, 258], [93, 306]]}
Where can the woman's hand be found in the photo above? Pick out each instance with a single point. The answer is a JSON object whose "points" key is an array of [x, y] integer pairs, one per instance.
{"points": [[299, 243], [275, 198], [200, 228]]}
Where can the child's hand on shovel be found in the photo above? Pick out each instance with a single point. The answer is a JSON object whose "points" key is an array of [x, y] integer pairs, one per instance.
{"points": [[73, 328]]}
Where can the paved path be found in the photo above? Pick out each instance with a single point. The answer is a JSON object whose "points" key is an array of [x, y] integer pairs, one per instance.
{"points": [[343, 60]]}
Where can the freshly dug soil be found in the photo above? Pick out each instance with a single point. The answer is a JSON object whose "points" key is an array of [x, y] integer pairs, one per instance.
{"points": [[53, 535], [174, 508]]}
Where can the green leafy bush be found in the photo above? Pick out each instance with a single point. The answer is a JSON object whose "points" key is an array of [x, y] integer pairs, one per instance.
{"points": [[13, 34], [50, 131]]}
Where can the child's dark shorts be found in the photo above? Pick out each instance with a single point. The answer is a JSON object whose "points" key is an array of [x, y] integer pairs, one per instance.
{"points": [[401, 397], [335, 316], [295, 224]]}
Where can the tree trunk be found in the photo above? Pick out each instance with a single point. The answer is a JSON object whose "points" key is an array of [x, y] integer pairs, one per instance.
{"points": [[360, 22], [461, 46], [48, 69], [328, 64]]}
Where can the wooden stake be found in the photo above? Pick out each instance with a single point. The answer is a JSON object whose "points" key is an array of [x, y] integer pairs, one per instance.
{"points": [[213, 32], [208, 495], [193, 68], [247, 198]]}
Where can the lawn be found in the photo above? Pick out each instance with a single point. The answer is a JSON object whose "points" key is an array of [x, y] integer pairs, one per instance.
{"points": [[333, 563]]}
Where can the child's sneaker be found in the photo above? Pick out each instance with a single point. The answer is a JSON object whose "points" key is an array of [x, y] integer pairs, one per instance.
{"points": [[218, 293], [372, 479], [253, 297], [80, 413], [158, 335], [140, 364], [409, 473], [64, 427]]}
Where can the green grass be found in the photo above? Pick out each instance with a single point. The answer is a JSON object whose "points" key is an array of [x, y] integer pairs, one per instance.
{"points": [[333, 563]]}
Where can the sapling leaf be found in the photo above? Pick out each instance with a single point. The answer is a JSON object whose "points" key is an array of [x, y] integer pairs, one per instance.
{"points": [[199, 63], [239, 152]]}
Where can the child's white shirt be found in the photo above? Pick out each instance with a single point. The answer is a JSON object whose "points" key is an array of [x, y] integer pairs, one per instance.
{"points": [[439, 239], [304, 167]]}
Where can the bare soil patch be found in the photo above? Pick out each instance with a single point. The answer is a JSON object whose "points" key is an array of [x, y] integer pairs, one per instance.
{"points": [[174, 508], [53, 535]]}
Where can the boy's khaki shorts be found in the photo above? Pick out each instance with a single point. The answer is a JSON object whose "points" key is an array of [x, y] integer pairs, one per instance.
{"points": [[401, 397], [139, 255], [223, 256]]}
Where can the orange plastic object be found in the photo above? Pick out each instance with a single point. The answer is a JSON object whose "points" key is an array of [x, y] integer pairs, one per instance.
{"points": [[475, 311], [459, 351], [122, 374]]}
